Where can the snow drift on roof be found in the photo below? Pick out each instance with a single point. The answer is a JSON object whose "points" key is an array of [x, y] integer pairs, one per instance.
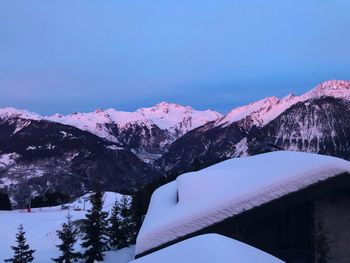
{"points": [[199, 199], [207, 249]]}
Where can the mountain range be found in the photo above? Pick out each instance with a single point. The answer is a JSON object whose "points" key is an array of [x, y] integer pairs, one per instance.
{"points": [[126, 150]]}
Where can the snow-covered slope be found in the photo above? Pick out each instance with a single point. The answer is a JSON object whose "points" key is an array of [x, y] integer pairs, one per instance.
{"points": [[6, 113], [200, 199], [176, 118], [171, 117], [330, 88], [208, 249], [96, 122], [174, 138], [263, 111], [319, 125], [46, 156], [316, 121], [41, 225], [147, 132]]}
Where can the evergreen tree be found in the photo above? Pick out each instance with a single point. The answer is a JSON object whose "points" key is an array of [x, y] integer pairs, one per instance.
{"points": [[115, 233], [196, 164], [23, 253], [5, 203], [95, 229], [68, 236], [136, 216], [126, 223]]}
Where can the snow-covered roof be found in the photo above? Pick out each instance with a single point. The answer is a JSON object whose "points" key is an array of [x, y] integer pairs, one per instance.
{"points": [[199, 199], [207, 249]]}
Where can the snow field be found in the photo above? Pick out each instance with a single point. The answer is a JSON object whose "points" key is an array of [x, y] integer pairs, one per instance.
{"points": [[41, 224]]}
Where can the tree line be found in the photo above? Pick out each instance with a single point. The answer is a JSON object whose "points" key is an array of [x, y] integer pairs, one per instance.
{"points": [[100, 231]]}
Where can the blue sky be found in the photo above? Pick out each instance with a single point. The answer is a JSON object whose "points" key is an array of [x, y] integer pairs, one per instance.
{"points": [[66, 56]]}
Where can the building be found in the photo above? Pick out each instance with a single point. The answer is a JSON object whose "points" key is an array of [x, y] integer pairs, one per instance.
{"points": [[295, 206], [208, 248]]}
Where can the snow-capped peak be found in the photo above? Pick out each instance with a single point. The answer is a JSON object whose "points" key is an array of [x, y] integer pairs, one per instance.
{"points": [[172, 117], [289, 97], [164, 106], [84, 121], [332, 88], [261, 111], [9, 112], [265, 110], [177, 118]]}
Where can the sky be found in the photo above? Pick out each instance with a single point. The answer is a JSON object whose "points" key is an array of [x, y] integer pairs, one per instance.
{"points": [[67, 56]]}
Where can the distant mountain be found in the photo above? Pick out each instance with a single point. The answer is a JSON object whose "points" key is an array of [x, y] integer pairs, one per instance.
{"points": [[268, 124], [263, 111], [148, 132], [319, 125], [126, 150], [69, 153], [38, 156]]}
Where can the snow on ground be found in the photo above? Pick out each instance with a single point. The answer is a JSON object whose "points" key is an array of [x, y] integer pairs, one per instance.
{"points": [[8, 159], [41, 225], [208, 249], [199, 199], [120, 256]]}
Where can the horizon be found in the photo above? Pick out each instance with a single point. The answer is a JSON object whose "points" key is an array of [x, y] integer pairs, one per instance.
{"points": [[170, 102]]}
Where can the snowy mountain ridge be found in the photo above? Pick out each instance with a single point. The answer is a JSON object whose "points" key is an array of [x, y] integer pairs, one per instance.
{"points": [[331, 88], [313, 122], [131, 149], [263, 111], [167, 116], [9, 112], [172, 117], [178, 119]]}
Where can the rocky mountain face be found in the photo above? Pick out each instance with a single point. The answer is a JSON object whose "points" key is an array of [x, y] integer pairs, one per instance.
{"points": [[70, 153], [126, 150], [147, 132], [319, 125], [203, 146], [37, 156], [314, 122]]}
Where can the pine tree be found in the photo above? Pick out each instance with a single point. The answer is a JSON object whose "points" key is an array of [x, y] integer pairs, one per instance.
{"points": [[5, 203], [68, 236], [136, 217], [126, 223], [23, 253], [95, 229], [115, 221]]}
